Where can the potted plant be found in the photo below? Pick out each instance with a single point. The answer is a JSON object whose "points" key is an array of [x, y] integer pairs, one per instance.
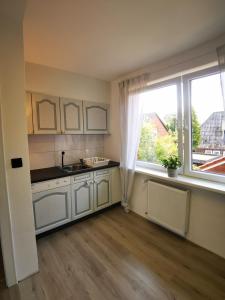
{"points": [[172, 163]]}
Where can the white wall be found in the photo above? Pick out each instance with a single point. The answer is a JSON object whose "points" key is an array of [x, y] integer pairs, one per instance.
{"points": [[17, 223], [207, 214], [65, 84], [192, 58], [112, 142]]}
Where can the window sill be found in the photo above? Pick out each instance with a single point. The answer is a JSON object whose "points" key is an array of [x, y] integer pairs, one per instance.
{"points": [[184, 180]]}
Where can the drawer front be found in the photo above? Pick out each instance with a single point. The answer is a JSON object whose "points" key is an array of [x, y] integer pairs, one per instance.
{"points": [[82, 177], [102, 172], [49, 184]]}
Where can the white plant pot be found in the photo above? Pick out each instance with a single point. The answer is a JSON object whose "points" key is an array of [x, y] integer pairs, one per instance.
{"points": [[172, 172]]}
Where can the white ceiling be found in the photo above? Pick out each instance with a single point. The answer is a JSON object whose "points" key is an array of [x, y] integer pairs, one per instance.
{"points": [[108, 38]]}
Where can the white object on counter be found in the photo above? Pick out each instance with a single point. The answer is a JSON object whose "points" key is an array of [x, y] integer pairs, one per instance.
{"points": [[96, 161]]}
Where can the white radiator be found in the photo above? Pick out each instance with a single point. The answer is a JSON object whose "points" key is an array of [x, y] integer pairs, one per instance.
{"points": [[169, 207]]}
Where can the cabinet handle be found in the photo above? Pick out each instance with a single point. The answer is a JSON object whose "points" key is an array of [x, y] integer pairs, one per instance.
{"points": [[88, 183]]}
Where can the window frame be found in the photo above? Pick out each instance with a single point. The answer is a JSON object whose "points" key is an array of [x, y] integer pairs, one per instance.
{"points": [[164, 83], [186, 79]]}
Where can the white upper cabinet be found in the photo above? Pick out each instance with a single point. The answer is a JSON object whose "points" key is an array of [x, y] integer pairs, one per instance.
{"points": [[54, 115], [96, 118], [30, 129], [71, 116], [46, 114]]}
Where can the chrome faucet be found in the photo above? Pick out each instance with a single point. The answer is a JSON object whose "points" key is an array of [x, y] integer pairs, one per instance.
{"points": [[63, 153]]}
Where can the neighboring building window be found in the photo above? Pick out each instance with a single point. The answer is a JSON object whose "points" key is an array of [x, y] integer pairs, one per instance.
{"points": [[208, 152], [205, 112], [216, 152], [159, 135]]}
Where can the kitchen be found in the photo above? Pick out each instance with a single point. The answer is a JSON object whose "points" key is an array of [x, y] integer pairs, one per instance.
{"points": [[55, 159], [87, 210]]}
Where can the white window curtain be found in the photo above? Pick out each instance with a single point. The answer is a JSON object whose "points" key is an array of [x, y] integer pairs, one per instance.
{"points": [[130, 128], [221, 62]]}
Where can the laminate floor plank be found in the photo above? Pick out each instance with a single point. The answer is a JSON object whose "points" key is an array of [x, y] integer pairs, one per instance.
{"points": [[175, 259], [119, 256]]}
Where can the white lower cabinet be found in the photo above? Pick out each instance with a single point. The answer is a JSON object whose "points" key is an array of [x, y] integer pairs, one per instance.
{"points": [[82, 199], [91, 194], [59, 201], [102, 191], [52, 208]]}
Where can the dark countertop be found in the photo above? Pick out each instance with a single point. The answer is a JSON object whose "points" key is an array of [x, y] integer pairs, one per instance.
{"points": [[54, 172]]}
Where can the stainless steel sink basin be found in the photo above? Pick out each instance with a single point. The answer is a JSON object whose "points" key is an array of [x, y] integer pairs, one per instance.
{"points": [[74, 167]]}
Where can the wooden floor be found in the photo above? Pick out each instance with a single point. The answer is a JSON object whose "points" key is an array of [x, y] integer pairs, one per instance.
{"points": [[120, 256]]}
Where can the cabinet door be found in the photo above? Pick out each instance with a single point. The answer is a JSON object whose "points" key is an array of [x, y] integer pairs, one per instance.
{"points": [[102, 191], [96, 118], [52, 208], [46, 115], [71, 116], [82, 199], [30, 129]]}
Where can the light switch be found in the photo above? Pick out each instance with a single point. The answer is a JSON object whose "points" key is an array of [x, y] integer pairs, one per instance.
{"points": [[16, 162]]}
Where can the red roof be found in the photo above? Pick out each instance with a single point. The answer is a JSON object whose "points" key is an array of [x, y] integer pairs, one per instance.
{"points": [[215, 166]]}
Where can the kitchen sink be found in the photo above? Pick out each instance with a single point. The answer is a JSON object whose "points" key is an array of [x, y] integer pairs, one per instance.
{"points": [[74, 167]]}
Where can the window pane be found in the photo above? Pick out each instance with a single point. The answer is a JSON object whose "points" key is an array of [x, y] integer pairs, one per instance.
{"points": [[208, 126], [159, 128]]}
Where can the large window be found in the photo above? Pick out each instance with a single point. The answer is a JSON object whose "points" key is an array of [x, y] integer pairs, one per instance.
{"points": [[160, 134], [201, 134]]}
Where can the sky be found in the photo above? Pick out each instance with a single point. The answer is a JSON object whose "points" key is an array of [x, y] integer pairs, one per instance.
{"points": [[206, 98]]}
